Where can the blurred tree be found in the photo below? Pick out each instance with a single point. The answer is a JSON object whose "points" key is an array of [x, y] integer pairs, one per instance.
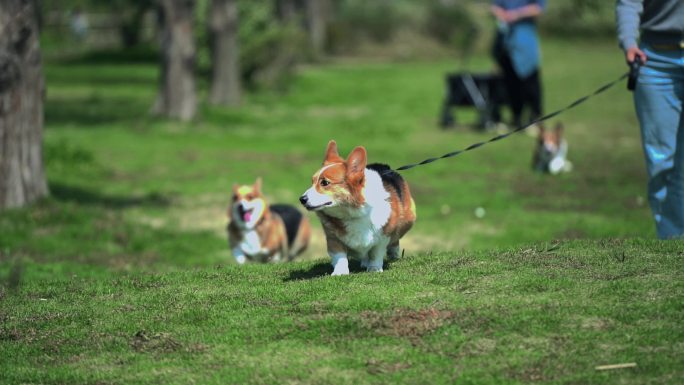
{"points": [[22, 87], [580, 7], [270, 47], [222, 23], [311, 16], [287, 10], [317, 24], [177, 94], [354, 22], [132, 18], [451, 23]]}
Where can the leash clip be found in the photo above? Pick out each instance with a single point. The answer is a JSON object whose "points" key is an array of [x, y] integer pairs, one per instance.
{"points": [[634, 68]]}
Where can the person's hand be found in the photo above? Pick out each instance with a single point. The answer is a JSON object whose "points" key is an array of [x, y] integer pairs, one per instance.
{"points": [[499, 13], [510, 17], [633, 52]]}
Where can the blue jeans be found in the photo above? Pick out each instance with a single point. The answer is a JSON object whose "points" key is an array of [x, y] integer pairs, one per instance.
{"points": [[658, 99]]}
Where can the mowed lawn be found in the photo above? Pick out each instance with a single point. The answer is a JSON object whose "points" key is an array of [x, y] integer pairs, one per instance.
{"points": [[539, 314], [123, 275]]}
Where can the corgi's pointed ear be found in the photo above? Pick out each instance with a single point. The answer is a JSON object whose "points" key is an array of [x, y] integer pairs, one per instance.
{"points": [[331, 152], [257, 185], [356, 162], [235, 188]]}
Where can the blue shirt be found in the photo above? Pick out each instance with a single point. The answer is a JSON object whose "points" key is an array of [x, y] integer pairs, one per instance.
{"points": [[515, 4], [521, 41]]}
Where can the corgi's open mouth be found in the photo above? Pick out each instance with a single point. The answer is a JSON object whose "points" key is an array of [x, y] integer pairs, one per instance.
{"points": [[245, 215], [314, 208]]}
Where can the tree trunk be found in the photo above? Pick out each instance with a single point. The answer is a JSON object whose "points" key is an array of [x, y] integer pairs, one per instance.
{"points": [[131, 25], [286, 10], [22, 88], [177, 97], [225, 54], [316, 15]]}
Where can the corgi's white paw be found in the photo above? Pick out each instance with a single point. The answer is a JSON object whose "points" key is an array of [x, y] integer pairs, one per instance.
{"points": [[374, 269], [340, 271], [340, 264]]}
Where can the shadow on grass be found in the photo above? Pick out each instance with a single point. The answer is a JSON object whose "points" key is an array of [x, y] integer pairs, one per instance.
{"points": [[318, 270], [84, 196], [144, 54], [94, 110], [322, 269], [95, 80]]}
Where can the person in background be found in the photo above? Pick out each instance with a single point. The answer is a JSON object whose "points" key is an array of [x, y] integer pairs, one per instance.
{"points": [[658, 100], [79, 24], [516, 50]]}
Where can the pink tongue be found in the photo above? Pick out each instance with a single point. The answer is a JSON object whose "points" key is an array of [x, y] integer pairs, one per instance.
{"points": [[248, 216]]}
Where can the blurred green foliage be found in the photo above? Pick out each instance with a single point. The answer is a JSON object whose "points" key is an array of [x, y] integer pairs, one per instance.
{"points": [[579, 18], [271, 46], [355, 20], [451, 24]]}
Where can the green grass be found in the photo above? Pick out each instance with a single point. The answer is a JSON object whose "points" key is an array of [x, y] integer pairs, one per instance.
{"points": [[534, 314], [133, 239]]}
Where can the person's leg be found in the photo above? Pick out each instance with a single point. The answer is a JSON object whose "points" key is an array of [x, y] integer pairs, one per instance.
{"points": [[513, 89], [533, 95], [673, 207], [659, 109]]}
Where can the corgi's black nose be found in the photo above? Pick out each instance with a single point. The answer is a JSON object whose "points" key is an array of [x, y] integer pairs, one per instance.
{"points": [[303, 199]]}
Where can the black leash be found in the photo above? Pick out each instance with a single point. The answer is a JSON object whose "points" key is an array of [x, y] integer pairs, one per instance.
{"points": [[634, 70]]}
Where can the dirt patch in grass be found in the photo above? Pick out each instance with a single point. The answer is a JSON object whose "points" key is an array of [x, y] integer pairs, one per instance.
{"points": [[549, 367], [480, 321], [478, 347], [596, 323], [145, 342], [406, 322], [148, 281], [11, 334], [48, 341], [532, 373], [374, 366]]}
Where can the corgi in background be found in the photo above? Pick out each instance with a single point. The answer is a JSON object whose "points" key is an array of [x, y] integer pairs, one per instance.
{"points": [[364, 209], [259, 232], [550, 154]]}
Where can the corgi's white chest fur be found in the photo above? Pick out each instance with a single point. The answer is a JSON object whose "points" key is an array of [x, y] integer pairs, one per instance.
{"points": [[361, 235], [251, 243], [559, 162], [364, 225]]}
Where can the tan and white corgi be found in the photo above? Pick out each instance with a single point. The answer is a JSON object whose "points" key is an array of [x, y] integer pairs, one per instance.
{"points": [[364, 209], [261, 233], [551, 151]]}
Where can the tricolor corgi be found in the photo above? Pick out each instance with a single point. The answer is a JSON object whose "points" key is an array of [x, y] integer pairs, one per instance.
{"points": [[550, 155], [261, 233], [364, 209]]}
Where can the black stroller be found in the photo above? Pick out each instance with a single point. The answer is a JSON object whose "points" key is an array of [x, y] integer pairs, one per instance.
{"points": [[485, 92]]}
